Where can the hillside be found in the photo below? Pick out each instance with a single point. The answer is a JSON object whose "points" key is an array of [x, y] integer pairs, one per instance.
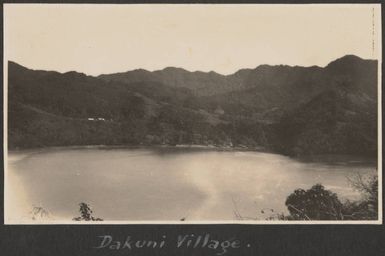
{"points": [[292, 110]]}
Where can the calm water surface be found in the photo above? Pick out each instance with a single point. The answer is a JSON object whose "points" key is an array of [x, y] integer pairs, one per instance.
{"points": [[166, 183]]}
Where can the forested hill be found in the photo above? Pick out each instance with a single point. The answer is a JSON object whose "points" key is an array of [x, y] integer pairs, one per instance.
{"points": [[293, 110]]}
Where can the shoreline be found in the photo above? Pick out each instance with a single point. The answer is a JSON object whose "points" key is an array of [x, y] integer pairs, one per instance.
{"points": [[336, 159], [178, 146]]}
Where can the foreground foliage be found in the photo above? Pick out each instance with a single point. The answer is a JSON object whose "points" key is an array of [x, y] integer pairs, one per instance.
{"points": [[317, 203], [86, 213]]}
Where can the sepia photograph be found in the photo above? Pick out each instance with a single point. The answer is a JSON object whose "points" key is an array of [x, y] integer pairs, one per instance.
{"points": [[192, 113]]}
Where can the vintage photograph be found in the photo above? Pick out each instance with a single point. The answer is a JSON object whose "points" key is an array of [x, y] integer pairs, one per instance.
{"points": [[192, 113]]}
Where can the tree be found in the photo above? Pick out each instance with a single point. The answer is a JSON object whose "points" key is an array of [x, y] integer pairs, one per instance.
{"points": [[86, 213], [39, 213], [320, 204], [367, 207], [316, 203]]}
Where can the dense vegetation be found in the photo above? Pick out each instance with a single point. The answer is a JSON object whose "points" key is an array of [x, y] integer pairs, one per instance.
{"points": [[293, 110], [317, 203]]}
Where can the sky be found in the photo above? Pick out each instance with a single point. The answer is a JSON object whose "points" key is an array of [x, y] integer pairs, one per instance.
{"points": [[101, 39]]}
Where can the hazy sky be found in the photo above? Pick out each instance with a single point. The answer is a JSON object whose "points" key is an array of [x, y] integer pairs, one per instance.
{"points": [[97, 39]]}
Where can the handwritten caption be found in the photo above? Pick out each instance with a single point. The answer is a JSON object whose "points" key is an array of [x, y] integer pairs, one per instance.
{"points": [[186, 241]]}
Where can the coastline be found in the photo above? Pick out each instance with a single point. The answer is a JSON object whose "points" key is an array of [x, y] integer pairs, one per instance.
{"points": [[329, 158], [178, 146]]}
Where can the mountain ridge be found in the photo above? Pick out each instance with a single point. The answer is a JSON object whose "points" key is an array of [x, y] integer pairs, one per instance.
{"points": [[251, 108], [181, 68]]}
